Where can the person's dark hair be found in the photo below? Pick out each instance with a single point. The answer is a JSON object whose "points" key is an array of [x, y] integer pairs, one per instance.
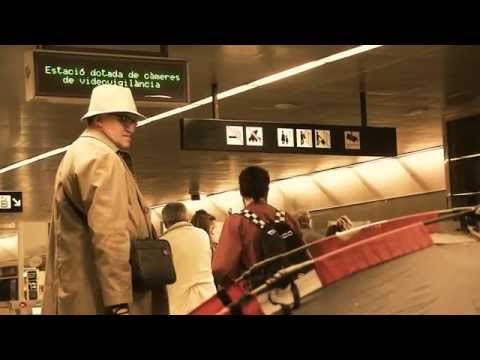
{"points": [[173, 213], [203, 220], [254, 182]]}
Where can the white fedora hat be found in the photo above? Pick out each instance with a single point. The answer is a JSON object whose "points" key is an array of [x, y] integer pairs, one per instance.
{"points": [[107, 99]]}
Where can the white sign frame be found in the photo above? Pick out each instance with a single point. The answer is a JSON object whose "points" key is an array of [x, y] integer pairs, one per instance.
{"points": [[323, 134], [250, 131], [234, 130], [306, 142], [285, 137], [351, 144]]}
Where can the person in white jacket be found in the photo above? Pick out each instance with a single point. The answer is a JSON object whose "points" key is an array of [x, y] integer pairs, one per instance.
{"points": [[192, 256]]}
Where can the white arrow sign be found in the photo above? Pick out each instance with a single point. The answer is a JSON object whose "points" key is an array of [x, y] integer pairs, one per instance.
{"points": [[11, 202]]}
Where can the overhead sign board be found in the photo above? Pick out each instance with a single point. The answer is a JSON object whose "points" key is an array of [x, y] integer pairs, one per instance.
{"points": [[271, 137], [11, 202], [70, 76]]}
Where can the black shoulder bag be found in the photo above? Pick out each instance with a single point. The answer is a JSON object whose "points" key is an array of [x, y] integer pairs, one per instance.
{"points": [[151, 262]]}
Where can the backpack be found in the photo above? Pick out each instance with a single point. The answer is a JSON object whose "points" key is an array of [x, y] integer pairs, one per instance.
{"points": [[276, 238]]}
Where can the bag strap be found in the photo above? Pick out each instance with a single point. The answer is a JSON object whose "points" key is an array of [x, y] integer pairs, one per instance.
{"points": [[152, 233], [127, 162], [254, 218], [224, 296], [280, 216]]}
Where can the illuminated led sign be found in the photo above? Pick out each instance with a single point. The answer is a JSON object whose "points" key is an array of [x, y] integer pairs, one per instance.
{"points": [[71, 76]]}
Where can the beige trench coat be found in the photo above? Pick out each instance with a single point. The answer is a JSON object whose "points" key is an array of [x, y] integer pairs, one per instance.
{"points": [[97, 209]]}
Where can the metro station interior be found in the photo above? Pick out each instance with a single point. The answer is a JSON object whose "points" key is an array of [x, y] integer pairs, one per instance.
{"points": [[419, 90]]}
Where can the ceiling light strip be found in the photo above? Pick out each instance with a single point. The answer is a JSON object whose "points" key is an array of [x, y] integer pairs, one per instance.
{"points": [[466, 194], [311, 65], [265, 81], [33, 159], [464, 157], [231, 92], [175, 111]]}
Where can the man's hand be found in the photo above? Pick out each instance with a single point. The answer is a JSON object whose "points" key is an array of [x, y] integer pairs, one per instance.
{"points": [[344, 223], [120, 309]]}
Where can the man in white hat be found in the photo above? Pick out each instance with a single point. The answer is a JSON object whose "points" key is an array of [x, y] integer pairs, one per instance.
{"points": [[97, 209]]}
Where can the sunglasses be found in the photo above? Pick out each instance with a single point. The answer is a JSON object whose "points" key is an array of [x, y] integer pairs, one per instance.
{"points": [[126, 120]]}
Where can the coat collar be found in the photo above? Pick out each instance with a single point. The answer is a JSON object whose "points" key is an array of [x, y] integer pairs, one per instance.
{"points": [[97, 134], [177, 225]]}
